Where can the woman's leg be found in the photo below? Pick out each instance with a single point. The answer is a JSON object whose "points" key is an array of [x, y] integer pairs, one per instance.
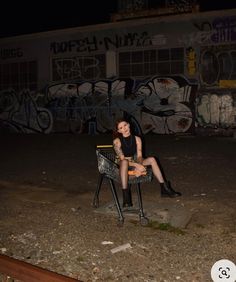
{"points": [[124, 165], [127, 199], [166, 189], [155, 168]]}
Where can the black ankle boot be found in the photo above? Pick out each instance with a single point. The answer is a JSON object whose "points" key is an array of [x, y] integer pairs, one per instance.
{"points": [[168, 191], [127, 198]]}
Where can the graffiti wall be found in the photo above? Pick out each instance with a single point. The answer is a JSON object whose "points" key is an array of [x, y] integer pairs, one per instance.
{"points": [[216, 110], [217, 63], [161, 105], [167, 80], [20, 112]]}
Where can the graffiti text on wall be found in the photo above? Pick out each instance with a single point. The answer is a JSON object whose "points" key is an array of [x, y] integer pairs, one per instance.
{"points": [[193, 38], [217, 63], [94, 44], [224, 29], [11, 53], [19, 112], [220, 30], [160, 105], [216, 110], [75, 68]]}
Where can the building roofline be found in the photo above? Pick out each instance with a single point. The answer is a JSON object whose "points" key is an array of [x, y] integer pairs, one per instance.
{"points": [[118, 24]]}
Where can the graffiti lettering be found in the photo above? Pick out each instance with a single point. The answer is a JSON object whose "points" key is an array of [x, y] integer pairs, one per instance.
{"points": [[11, 53], [78, 67], [217, 64], [215, 110], [224, 29], [80, 45], [92, 44], [220, 30], [196, 38], [20, 113], [161, 105], [130, 39]]}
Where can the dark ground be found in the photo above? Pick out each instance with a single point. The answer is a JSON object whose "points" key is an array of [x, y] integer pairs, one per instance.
{"points": [[46, 215]]}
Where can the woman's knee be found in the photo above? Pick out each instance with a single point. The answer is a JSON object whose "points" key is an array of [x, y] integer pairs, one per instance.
{"points": [[124, 163], [152, 160]]}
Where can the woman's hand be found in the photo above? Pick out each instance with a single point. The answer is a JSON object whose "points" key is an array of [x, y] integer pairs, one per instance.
{"points": [[140, 167], [139, 170]]}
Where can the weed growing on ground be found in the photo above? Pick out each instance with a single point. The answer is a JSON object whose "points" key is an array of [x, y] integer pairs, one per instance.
{"points": [[165, 227]]}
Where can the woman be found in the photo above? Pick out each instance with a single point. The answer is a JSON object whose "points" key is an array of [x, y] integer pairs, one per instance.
{"points": [[128, 148]]}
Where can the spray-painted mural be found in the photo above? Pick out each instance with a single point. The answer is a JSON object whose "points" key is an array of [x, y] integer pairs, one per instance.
{"points": [[164, 105], [161, 105], [168, 81], [216, 110], [19, 112], [217, 63]]}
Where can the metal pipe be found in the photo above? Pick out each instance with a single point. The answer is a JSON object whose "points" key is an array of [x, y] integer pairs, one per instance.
{"points": [[29, 273]]}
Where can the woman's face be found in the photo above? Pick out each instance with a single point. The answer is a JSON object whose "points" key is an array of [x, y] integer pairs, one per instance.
{"points": [[123, 128]]}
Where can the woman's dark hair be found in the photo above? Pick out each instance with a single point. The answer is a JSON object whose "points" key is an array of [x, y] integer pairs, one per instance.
{"points": [[116, 134]]}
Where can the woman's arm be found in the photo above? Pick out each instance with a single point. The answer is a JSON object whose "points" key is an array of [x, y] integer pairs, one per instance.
{"points": [[139, 150], [117, 148], [120, 154]]}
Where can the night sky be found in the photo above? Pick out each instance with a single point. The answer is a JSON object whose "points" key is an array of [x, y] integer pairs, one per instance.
{"points": [[23, 18]]}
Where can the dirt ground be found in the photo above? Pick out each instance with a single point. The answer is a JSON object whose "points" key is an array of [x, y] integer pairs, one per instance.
{"points": [[47, 184]]}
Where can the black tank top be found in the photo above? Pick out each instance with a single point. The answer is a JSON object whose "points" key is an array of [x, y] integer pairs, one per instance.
{"points": [[128, 145]]}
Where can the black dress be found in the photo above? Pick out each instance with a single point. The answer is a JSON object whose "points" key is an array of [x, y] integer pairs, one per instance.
{"points": [[129, 146]]}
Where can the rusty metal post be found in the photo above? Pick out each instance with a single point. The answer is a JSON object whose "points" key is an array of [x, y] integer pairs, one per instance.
{"points": [[29, 273]]}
